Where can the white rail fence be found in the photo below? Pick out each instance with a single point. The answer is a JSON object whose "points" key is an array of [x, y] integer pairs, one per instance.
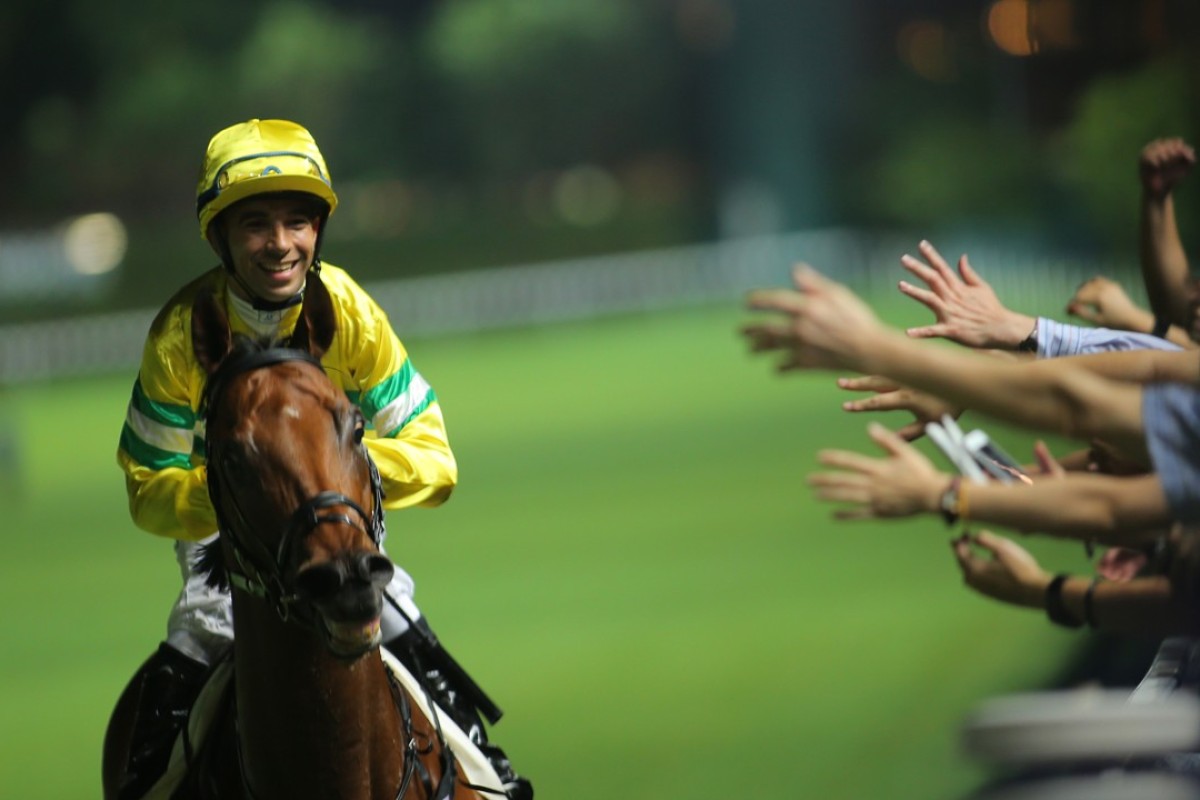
{"points": [[575, 289]]}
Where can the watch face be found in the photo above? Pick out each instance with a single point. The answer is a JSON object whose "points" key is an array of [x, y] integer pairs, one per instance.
{"points": [[949, 503]]}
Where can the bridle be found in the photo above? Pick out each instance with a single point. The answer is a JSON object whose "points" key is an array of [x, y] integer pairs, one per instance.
{"points": [[259, 571]]}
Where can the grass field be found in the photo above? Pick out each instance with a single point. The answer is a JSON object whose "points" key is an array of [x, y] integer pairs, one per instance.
{"points": [[632, 566]]}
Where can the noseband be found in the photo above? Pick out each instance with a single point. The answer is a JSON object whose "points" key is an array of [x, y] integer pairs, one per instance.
{"points": [[259, 571]]}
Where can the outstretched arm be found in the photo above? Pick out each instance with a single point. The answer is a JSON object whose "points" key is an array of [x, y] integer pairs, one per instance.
{"points": [[1162, 165], [999, 568], [823, 325], [904, 483]]}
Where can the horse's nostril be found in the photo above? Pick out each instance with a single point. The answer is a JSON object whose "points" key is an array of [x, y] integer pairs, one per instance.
{"points": [[319, 581], [376, 569]]}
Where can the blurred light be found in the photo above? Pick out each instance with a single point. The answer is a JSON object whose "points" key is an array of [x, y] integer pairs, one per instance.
{"points": [[95, 243], [1008, 25], [1053, 24], [587, 195], [925, 47], [705, 25]]}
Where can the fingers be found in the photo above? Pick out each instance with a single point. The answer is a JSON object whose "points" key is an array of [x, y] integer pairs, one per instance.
{"points": [[1084, 311], [808, 280], [868, 383], [935, 331], [961, 545], [937, 262], [764, 336], [888, 401], [969, 275], [911, 432], [1046, 461], [891, 443], [847, 460], [784, 300], [922, 296], [925, 273]]}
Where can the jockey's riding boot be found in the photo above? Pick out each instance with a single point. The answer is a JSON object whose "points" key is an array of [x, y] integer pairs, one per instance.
{"points": [[455, 692], [170, 682]]}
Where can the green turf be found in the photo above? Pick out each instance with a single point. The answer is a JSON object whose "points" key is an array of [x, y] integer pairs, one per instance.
{"points": [[632, 565]]}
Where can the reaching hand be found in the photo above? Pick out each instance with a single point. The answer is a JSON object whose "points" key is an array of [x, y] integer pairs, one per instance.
{"points": [[1047, 463], [1163, 164], [1011, 574], [824, 325], [1103, 302], [900, 485], [891, 396], [966, 307]]}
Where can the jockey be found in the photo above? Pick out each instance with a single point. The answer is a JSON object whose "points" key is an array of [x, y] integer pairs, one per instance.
{"points": [[263, 200]]}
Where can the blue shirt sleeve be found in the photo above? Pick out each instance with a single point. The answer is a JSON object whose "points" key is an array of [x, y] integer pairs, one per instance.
{"points": [[1171, 418], [1059, 339]]}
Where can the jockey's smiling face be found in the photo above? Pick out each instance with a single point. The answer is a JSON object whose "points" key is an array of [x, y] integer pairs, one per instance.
{"points": [[272, 239]]}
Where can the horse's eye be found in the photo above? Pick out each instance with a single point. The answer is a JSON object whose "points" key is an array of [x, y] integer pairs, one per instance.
{"points": [[359, 428]]}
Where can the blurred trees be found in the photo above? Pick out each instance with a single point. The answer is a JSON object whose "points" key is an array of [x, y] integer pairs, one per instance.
{"points": [[500, 124]]}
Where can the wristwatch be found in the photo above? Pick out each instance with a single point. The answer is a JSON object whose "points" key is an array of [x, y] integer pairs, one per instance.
{"points": [[1029, 343], [948, 504]]}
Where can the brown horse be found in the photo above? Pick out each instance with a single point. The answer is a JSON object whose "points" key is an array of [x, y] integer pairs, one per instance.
{"points": [[314, 712]]}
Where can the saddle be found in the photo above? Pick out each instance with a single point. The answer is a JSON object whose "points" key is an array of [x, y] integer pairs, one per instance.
{"points": [[193, 747]]}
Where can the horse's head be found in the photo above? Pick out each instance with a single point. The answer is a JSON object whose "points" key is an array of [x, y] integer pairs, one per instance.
{"points": [[297, 498]]}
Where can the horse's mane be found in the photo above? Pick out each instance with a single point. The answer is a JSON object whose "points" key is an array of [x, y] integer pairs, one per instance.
{"points": [[211, 560]]}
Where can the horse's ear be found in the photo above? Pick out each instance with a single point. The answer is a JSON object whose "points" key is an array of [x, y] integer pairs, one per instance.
{"points": [[212, 338], [317, 324]]}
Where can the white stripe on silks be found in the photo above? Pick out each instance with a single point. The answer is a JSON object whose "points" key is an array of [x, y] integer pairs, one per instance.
{"points": [[164, 437], [394, 414]]}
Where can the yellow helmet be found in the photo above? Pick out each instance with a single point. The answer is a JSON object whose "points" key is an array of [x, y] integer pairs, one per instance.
{"points": [[258, 156]]}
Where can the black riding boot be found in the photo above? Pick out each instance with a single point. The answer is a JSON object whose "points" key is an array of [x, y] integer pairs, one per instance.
{"points": [[454, 691], [169, 685]]}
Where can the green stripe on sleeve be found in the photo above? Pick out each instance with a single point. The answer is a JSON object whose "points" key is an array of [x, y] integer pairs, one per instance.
{"points": [[150, 456], [163, 413]]}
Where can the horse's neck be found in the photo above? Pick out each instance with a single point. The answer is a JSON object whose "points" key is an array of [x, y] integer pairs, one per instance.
{"points": [[310, 725]]}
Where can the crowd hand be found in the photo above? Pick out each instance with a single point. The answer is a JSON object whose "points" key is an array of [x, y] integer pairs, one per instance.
{"points": [[1005, 571], [1163, 163], [1103, 302], [967, 309], [821, 323], [901, 484], [891, 396], [1046, 465], [1121, 563]]}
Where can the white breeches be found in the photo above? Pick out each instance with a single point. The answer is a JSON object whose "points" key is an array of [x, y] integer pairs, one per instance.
{"points": [[201, 621]]}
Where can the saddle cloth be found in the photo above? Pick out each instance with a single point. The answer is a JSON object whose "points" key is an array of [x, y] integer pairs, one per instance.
{"points": [[474, 766]]}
